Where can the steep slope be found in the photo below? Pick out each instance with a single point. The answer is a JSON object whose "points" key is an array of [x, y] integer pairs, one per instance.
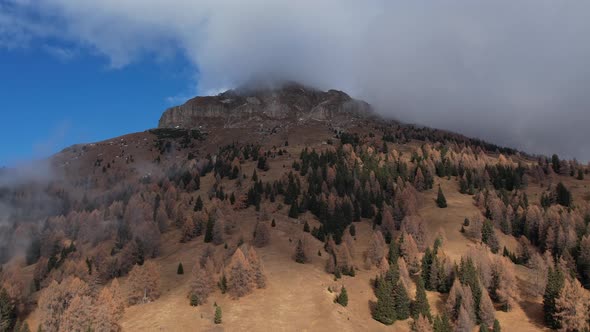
{"points": [[296, 156]]}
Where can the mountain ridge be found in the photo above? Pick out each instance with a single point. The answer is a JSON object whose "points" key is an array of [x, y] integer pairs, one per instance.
{"points": [[291, 103]]}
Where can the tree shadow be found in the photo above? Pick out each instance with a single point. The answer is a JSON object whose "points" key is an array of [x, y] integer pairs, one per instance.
{"points": [[534, 312]]}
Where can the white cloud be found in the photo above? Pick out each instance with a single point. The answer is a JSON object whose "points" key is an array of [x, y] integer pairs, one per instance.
{"points": [[515, 72], [61, 53]]}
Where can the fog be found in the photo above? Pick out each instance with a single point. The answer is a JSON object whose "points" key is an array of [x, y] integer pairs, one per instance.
{"points": [[512, 72]]}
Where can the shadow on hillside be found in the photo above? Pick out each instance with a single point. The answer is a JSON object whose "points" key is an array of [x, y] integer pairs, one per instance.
{"points": [[534, 312]]}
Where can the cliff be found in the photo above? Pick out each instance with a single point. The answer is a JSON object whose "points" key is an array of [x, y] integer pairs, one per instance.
{"points": [[290, 103]]}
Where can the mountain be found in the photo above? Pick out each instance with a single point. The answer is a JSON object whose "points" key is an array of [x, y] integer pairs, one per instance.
{"points": [[290, 103], [270, 203]]}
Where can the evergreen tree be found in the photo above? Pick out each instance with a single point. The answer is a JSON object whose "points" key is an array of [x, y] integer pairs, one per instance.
{"points": [[497, 327], [555, 163], [427, 261], [294, 210], [441, 201], [25, 327], [352, 230], [306, 227], [209, 229], [273, 223], [180, 269], [580, 174], [7, 313], [384, 310], [483, 328], [394, 251], [555, 283], [421, 305], [488, 236], [342, 298], [217, 319], [442, 324], [198, 204], [564, 197], [222, 284], [34, 250], [194, 300], [468, 276], [402, 301], [262, 164]]}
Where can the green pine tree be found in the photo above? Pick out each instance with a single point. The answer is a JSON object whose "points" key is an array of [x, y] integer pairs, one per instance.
{"points": [[421, 305], [442, 324], [198, 204], [7, 313], [273, 223], [555, 163], [384, 310], [209, 229], [25, 327], [427, 261], [488, 236], [468, 275], [441, 201], [342, 298], [222, 284], [483, 328], [180, 269], [564, 196], [306, 227], [555, 283], [394, 251], [217, 319], [294, 210], [497, 327], [402, 301], [194, 300], [17, 326]]}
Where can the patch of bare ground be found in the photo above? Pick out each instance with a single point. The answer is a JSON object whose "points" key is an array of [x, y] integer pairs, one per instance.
{"points": [[447, 222], [296, 297]]}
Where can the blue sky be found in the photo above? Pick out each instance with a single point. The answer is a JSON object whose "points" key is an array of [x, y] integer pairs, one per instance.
{"points": [[50, 101]]}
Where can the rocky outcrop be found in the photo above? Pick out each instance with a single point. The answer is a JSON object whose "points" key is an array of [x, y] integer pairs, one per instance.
{"points": [[291, 103]]}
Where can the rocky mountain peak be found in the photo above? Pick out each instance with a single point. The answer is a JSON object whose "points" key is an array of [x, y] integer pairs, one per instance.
{"points": [[249, 106]]}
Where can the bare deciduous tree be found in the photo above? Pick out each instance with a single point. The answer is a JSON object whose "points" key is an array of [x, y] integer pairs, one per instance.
{"points": [[144, 283], [262, 234], [573, 307], [376, 251], [201, 284], [78, 316], [241, 280]]}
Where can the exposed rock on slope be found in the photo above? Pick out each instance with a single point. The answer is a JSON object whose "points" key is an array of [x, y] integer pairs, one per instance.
{"points": [[292, 103]]}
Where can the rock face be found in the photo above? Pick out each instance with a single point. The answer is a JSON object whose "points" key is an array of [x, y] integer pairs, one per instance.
{"points": [[292, 103]]}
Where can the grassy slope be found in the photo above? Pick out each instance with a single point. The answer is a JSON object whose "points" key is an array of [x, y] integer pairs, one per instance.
{"points": [[297, 296]]}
